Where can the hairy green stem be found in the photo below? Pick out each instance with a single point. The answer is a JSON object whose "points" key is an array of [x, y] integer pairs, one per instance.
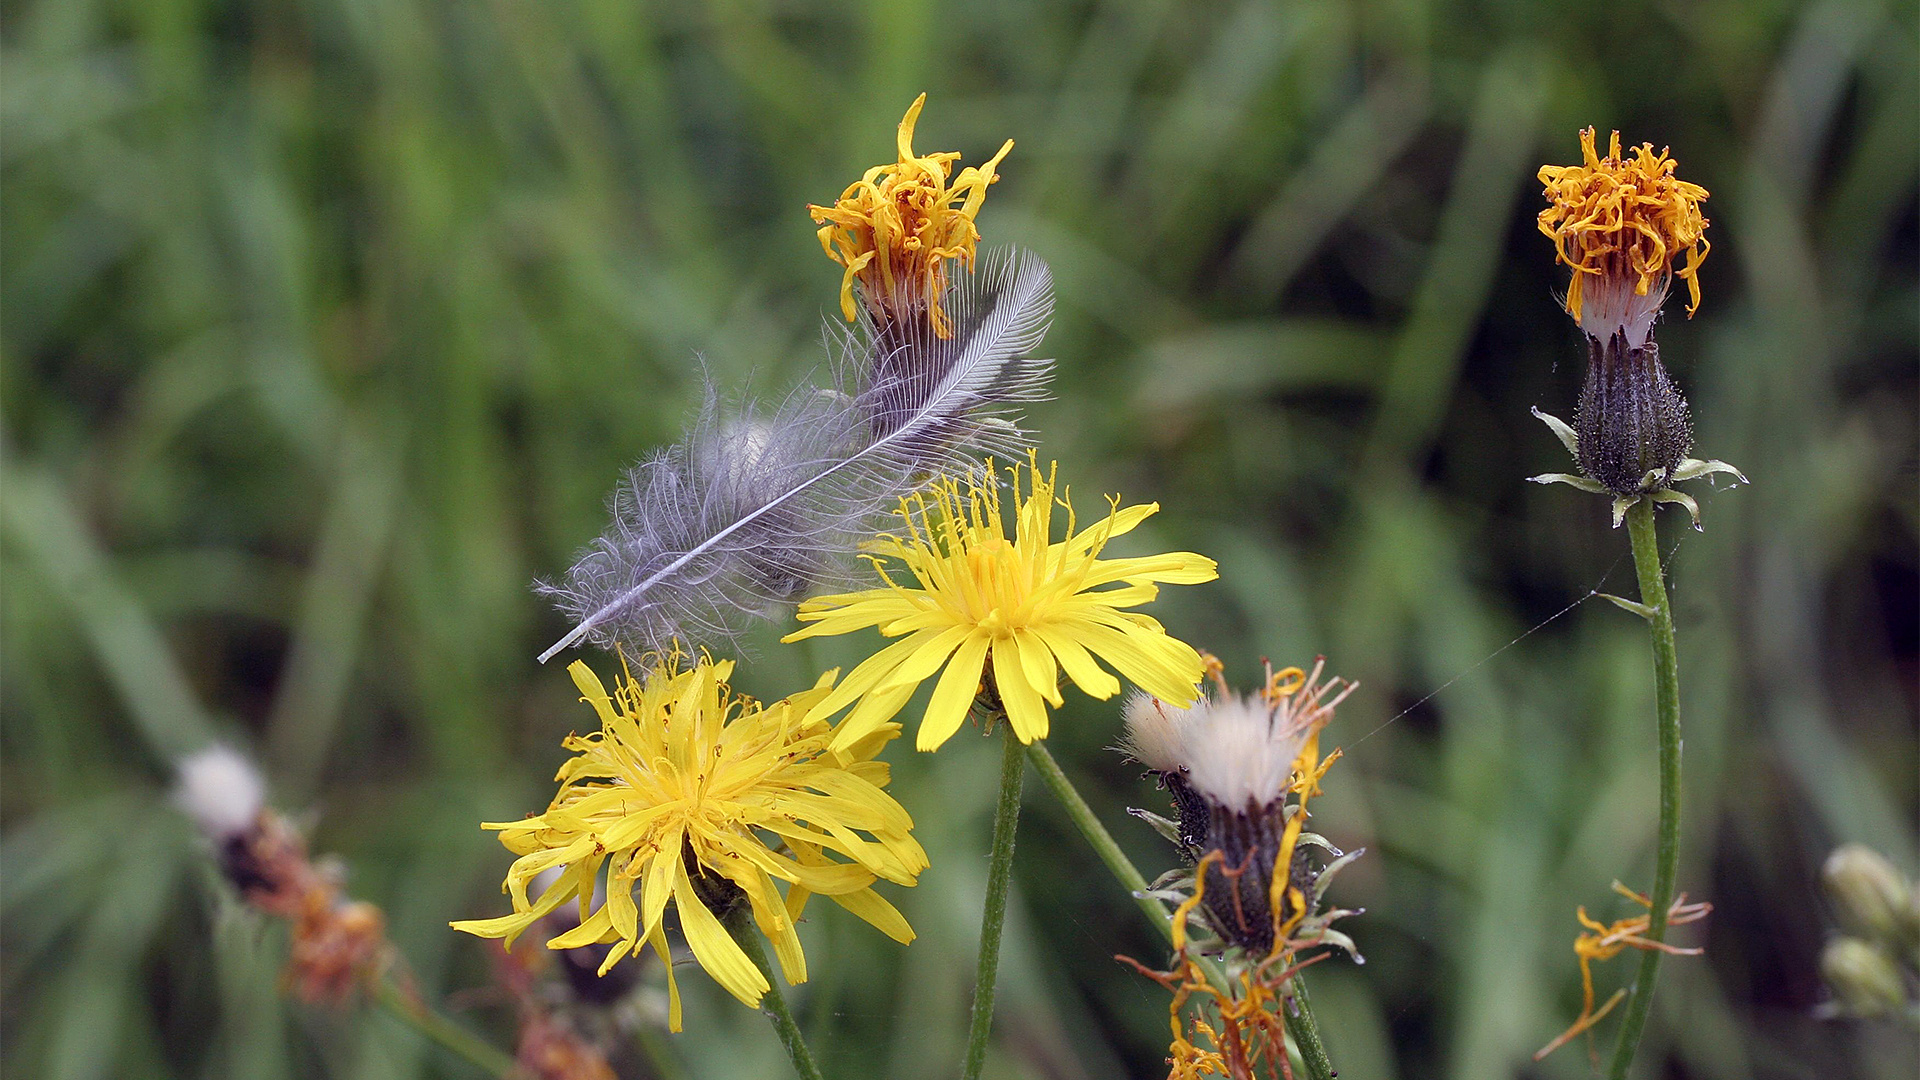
{"points": [[1306, 1032], [1006, 819], [1666, 685], [773, 1003], [414, 1013], [1300, 1022]]}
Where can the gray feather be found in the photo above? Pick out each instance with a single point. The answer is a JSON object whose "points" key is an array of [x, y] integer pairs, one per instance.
{"points": [[757, 507]]}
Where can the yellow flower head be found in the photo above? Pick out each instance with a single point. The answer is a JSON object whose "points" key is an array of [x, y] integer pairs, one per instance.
{"points": [[1022, 605], [895, 228], [1621, 224], [676, 795]]}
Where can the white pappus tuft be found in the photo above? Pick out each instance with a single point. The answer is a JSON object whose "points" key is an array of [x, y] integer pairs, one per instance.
{"points": [[754, 509], [1611, 304], [221, 791], [1153, 732], [1240, 750], [1235, 750]]}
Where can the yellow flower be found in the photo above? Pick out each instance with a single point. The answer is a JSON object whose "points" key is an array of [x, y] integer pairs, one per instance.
{"points": [[897, 226], [675, 795], [1621, 224], [1021, 605]]}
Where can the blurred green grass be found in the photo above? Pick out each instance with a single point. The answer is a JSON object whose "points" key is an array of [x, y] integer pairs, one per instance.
{"points": [[329, 323]]}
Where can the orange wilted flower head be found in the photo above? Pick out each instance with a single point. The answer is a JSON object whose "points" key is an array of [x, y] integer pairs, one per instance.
{"points": [[1627, 225], [895, 228]]}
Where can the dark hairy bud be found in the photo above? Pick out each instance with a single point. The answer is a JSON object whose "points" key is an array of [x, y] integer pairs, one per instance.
{"points": [[581, 966], [1632, 420], [1192, 807], [1239, 884]]}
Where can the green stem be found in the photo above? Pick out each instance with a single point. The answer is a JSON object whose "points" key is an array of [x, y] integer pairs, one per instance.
{"points": [[773, 1003], [1306, 1032], [1006, 818], [414, 1013], [1099, 838], [1666, 684], [1300, 1023]]}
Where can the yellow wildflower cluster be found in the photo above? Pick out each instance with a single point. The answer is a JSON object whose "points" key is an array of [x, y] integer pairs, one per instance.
{"points": [[673, 796], [1624, 221], [896, 226], [1014, 612]]}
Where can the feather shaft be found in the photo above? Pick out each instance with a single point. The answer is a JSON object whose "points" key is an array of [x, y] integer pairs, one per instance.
{"points": [[748, 512]]}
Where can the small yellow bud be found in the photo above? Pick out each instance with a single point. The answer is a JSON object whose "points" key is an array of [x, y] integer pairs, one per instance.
{"points": [[1863, 978], [1874, 901]]}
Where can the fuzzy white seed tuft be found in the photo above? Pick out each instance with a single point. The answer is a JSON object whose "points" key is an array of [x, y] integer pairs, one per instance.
{"points": [[1612, 305], [1153, 732], [1240, 751], [221, 791]]}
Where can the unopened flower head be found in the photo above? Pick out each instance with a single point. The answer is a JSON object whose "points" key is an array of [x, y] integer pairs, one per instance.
{"points": [[1873, 900], [1005, 614], [674, 797], [1866, 981], [896, 227], [1623, 223]]}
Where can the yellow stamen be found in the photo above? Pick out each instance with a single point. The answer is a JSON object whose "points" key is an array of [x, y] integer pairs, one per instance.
{"points": [[1284, 683]]}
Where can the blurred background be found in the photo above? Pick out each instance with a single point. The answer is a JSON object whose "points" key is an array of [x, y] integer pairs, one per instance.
{"points": [[328, 325]]}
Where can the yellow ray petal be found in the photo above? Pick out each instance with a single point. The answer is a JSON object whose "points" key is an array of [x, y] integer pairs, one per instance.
{"points": [[713, 947], [953, 694], [884, 917], [1026, 710]]}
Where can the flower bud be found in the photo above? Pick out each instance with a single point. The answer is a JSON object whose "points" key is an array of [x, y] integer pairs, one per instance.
{"points": [[1632, 420], [1872, 899], [1863, 979]]}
